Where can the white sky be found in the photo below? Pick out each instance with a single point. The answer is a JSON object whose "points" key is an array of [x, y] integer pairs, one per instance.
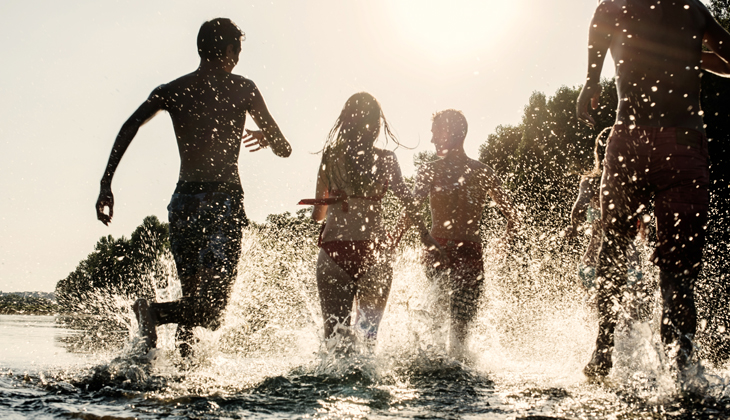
{"points": [[73, 71]]}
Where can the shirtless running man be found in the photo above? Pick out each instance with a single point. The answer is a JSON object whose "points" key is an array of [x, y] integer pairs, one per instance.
{"points": [[208, 109], [457, 187], [657, 148]]}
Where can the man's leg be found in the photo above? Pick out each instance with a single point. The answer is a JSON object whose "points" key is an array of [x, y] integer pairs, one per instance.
{"points": [[218, 259], [682, 203], [610, 278], [681, 236], [466, 284], [679, 314]]}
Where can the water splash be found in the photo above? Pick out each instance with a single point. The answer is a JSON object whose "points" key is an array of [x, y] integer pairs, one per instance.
{"points": [[534, 332]]}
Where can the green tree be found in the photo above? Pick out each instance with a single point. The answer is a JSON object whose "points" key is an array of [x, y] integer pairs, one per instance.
{"points": [[125, 267]]}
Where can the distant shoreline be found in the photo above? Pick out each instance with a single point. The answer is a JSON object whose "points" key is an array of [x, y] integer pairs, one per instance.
{"points": [[27, 303], [29, 313]]}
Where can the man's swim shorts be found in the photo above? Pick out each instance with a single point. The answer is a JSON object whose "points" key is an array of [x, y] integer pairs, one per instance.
{"points": [[206, 222], [673, 165]]}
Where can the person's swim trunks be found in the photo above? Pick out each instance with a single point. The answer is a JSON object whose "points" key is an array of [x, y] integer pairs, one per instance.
{"points": [[673, 164], [463, 274], [354, 257], [206, 222]]}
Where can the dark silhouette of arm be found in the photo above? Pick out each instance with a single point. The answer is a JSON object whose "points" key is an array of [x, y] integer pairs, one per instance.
{"points": [[600, 35], [263, 119], [129, 129], [503, 201], [717, 39]]}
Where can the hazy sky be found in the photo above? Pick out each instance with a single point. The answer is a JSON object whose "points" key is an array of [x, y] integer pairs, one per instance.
{"points": [[73, 71]]}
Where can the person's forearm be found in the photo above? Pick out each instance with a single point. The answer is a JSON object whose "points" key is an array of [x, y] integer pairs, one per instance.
{"points": [[279, 145], [124, 138], [506, 207], [715, 64]]}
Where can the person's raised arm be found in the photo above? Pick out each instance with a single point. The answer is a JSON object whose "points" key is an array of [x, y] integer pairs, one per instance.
{"points": [[599, 39], [129, 129], [717, 39], [270, 134]]}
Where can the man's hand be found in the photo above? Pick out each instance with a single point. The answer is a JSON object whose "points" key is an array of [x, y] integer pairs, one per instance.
{"points": [[255, 139], [592, 92], [106, 199]]}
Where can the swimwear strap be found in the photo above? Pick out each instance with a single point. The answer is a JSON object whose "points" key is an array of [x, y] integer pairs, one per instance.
{"points": [[338, 196]]}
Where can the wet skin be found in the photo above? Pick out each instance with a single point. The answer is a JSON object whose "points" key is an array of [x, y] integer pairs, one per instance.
{"points": [[658, 58], [208, 109], [458, 187], [657, 50]]}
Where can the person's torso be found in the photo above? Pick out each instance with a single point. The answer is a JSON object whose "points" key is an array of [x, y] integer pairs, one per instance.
{"points": [[657, 51], [208, 112], [457, 197], [361, 217]]}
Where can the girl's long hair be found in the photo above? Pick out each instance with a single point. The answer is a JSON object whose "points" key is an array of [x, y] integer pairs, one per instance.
{"points": [[352, 140], [599, 153]]}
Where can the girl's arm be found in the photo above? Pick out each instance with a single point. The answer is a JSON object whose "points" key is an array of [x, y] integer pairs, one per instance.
{"points": [[320, 211]]}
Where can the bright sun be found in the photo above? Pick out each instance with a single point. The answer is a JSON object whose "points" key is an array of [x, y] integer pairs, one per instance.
{"points": [[449, 29]]}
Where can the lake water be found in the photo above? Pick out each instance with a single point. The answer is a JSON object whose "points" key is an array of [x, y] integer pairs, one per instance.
{"points": [[530, 342]]}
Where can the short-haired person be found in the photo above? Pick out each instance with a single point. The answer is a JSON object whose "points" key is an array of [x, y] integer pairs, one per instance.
{"points": [[208, 109], [657, 148], [458, 188]]}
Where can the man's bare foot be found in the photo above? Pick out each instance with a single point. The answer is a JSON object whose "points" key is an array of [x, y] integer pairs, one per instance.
{"points": [[600, 365], [147, 322]]}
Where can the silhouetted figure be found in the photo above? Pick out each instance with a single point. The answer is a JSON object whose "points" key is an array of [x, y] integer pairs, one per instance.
{"points": [[458, 188], [657, 148], [355, 257], [587, 209], [208, 109]]}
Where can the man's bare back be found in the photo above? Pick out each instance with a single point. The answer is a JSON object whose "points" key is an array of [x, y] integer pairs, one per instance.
{"points": [[657, 51], [208, 111], [458, 192]]}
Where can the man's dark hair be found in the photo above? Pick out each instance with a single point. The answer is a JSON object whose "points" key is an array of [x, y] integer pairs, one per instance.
{"points": [[455, 121], [216, 35]]}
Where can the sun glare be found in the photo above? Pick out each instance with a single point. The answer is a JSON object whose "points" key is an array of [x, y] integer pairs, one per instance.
{"points": [[449, 29]]}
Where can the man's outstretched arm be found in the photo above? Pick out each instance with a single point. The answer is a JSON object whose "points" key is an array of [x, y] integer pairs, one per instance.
{"points": [[272, 135], [599, 39], [129, 129]]}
